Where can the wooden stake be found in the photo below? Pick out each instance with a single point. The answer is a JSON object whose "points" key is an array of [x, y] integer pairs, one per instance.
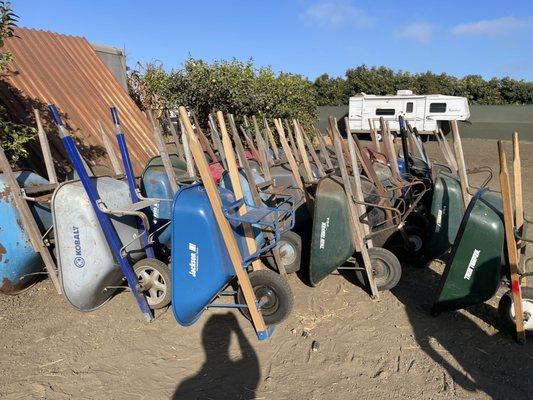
{"points": [[45, 148], [517, 178], [455, 167], [460, 159], [237, 187], [224, 225], [174, 133], [355, 225], [374, 135], [216, 140], [110, 151], [187, 151], [292, 141], [512, 250], [203, 139], [28, 222], [312, 151], [290, 158], [160, 143], [323, 149], [271, 138], [303, 153]]}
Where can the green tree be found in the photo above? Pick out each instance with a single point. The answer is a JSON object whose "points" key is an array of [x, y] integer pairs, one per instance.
{"points": [[13, 136]]}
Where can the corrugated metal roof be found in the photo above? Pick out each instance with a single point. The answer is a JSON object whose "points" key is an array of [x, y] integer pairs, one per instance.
{"points": [[64, 70]]}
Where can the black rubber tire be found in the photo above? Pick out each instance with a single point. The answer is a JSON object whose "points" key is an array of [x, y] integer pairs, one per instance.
{"points": [[386, 268], [292, 258], [279, 304], [415, 254], [160, 300], [504, 309]]}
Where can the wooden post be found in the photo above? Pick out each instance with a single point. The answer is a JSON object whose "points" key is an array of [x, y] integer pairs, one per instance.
{"points": [[292, 141], [359, 196], [512, 250], [250, 144], [203, 140], [312, 151], [449, 151], [110, 151], [443, 151], [187, 151], [374, 135], [237, 187], [167, 164], [262, 145], [390, 151], [216, 140], [355, 225], [271, 138], [460, 158], [517, 179], [28, 222], [323, 149], [292, 161], [225, 227], [45, 148], [174, 133], [303, 153]]}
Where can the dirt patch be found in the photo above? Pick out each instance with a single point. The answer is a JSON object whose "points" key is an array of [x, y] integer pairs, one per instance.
{"points": [[366, 350]]}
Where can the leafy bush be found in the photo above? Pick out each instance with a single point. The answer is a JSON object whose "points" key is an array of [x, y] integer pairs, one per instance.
{"points": [[231, 86]]}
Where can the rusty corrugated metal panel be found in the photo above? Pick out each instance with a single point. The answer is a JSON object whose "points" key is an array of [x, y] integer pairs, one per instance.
{"points": [[65, 70]]}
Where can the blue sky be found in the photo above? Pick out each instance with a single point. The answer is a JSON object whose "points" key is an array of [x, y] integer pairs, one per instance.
{"points": [[490, 38]]}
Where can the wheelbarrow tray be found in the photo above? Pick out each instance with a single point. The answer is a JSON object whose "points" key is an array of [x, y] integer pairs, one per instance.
{"points": [[155, 184], [18, 259], [176, 162], [87, 269], [445, 217], [332, 241], [201, 266], [473, 271]]}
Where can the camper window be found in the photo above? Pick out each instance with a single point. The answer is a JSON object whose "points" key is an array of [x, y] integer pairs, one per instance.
{"points": [[385, 111], [437, 108], [409, 107]]}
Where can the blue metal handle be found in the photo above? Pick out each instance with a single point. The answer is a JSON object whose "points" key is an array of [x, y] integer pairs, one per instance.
{"points": [[128, 168], [114, 115], [55, 114]]}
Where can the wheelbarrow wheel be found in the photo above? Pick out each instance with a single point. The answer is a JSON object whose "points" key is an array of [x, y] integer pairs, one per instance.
{"points": [[507, 313], [290, 246], [386, 268], [154, 282], [273, 293]]}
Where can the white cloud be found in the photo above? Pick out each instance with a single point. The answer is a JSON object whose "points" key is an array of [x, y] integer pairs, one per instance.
{"points": [[418, 31], [492, 27], [334, 14]]}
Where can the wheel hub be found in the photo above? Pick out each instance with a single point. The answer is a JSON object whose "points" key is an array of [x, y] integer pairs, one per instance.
{"points": [[527, 311], [267, 298], [288, 253], [152, 284]]}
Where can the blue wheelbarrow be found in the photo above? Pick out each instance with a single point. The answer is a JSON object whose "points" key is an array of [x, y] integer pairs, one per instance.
{"points": [[20, 264]]}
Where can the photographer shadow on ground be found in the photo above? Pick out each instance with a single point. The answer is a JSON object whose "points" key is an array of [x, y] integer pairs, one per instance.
{"points": [[223, 375], [476, 358]]}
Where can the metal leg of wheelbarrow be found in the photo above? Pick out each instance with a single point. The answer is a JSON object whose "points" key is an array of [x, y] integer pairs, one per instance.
{"points": [[104, 220], [512, 250], [224, 226]]}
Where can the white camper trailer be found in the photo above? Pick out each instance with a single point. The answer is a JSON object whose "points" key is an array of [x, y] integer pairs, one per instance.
{"points": [[422, 112]]}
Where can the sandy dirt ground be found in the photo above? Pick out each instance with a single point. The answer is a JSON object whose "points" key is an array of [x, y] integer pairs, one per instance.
{"points": [[366, 350]]}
